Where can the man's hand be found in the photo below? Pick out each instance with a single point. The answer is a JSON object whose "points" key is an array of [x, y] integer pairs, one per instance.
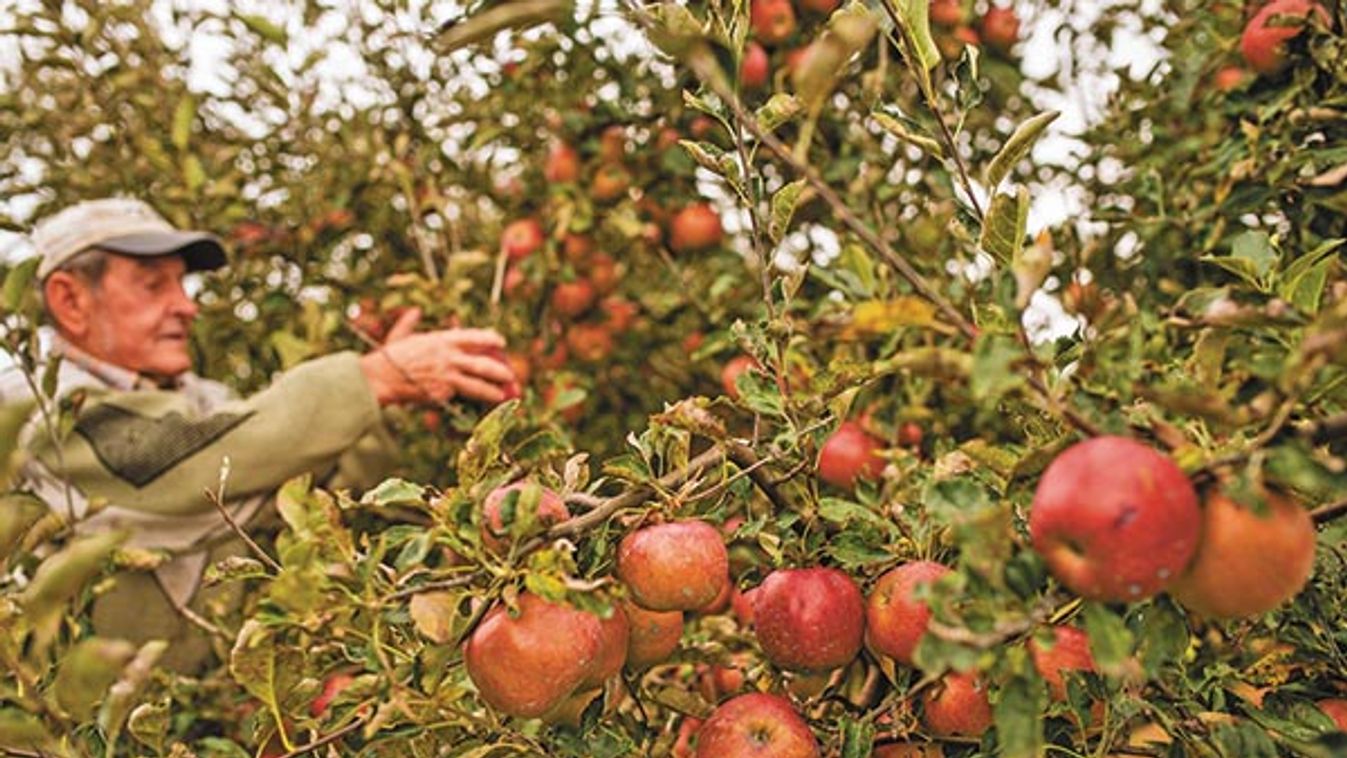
{"points": [[436, 366]]}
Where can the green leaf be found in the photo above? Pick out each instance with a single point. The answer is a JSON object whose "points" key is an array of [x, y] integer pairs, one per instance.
{"points": [[844, 512], [122, 696], [858, 737], [1162, 635], [19, 283], [290, 348], [707, 155], [63, 576], [1110, 640], [1302, 281], [482, 449], [20, 730], [19, 511], [892, 121], [1252, 258], [87, 671], [784, 203], [1019, 725], [994, 367], [264, 28], [915, 26], [265, 668], [149, 724], [183, 116], [1019, 144], [394, 491], [1004, 228], [780, 110]]}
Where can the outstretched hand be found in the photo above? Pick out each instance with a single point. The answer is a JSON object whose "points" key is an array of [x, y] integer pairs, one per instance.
{"points": [[436, 366]]}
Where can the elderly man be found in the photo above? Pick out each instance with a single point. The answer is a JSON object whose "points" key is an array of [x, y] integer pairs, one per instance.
{"points": [[150, 438]]}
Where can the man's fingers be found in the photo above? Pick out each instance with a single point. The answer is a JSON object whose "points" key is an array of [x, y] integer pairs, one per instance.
{"points": [[404, 326], [485, 367], [473, 338], [477, 389]]}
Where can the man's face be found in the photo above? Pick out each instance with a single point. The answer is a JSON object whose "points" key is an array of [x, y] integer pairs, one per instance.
{"points": [[141, 316]]}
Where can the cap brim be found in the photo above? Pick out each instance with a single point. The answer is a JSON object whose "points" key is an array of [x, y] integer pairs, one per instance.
{"points": [[200, 250]]}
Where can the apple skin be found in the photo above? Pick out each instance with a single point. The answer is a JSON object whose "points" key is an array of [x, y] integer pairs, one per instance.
{"points": [[1229, 78], [678, 566], [589, 343], [946, 12], [610, 183], [895, 622], [495, 536], [754, 69], [1114, 519], [744, 604], [729, 375], [809, 619], [522, 238], [526, 666], [850, 453], [696, 227], [562, 165], [687, 734], [570, 299], [332, 686], [773, 21], [756, 725], [1246, 564], [654, 635], [1264, 46], [957, 706], [1000, 29], [615, 638], [1336, 709], [1070, 652], [820, 6], [908, 750]]}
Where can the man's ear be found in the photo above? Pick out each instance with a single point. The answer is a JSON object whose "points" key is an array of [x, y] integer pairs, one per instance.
{"points": [[69, 301]]}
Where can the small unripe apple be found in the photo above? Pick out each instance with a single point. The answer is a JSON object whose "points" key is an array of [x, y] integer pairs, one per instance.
{"points": [[729, 375], [619, 313], [653, 637], [756, 725], [773, 21], [551, 509], [1001, 29], [1247, 564], [696, 227], [1114, 519], [1264, 43], [754, 69], [681, 565], [895, 619], [604, 273], [957, 706], [562, 165], [810, 619], [850, 453], [522, 238]]}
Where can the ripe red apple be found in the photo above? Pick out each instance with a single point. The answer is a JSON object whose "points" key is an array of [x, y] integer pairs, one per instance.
{"points": [[522, 238], [908, 750], [1336, 708], [577, 247], [756, 725], [610, 183], [685, 744], [850, 453], [619, 312], [1229, 78], [1264, 43], [551, 509], [819, 6], [528, 665], [1114, 519], [590, 343], [332, 686], [1001, 28], [696, 227], [654, 635], [570, 299], [957, 706], [721, 603], [614, 639], [810, 619], [947, 12], [910, 434], [1070, 651], [729, 375], [604, 273], [613, 144], [678, 566], [894, 620], [716, 681], [562, 165], [773, 21], [744, 604], [754, 69], [1247, 564]]}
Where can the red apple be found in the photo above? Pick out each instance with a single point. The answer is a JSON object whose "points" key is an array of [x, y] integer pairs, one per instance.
{"points": [[528, 665], [946, 12], [685, 744], [678, 566], [754, 69], [721, 603], [773, 21], [1264, 42], [1114, 519], [729, 375], [654, 635], [563, 164], [895, 621], [589, 343], [1070, 651], [696, 227], [809, 619], [615, 638], [522, 238], [756, 725], [716, 681], [957, 706], [495, 534], [1001, 28], [1247, 564], [604, 273], [613, 144], [610, 183], [819, 6], [332, 686], [910, 434], [570, 299], [1229, 78], [1336, 708], [850, 453], [619, 312], [908, 750]]}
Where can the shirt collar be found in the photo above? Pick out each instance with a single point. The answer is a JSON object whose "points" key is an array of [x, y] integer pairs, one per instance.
{"points": [[114, 376]]}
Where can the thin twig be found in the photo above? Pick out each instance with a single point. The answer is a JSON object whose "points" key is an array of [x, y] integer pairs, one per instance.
{"points": [[327, 738], [1327, 513], [444, 584], [216, 500], [749, 462]]}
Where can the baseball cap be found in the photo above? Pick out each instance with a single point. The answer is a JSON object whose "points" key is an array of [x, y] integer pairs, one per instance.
{"points": [[120, 225]]}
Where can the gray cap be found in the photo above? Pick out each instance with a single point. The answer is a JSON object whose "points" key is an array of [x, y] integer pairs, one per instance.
{"points": [[120, 225]]}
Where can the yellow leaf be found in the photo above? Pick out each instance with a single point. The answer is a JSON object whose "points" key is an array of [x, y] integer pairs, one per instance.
{"points": [[879, 317], [433, 613]]}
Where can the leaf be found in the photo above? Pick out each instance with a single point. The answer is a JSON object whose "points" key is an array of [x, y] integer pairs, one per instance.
{"points": [[149, 724], [1019, 144], [915, 26], [20, 730], [780, 110], [264, 668], [1110, 640], [1252, 258], [87, 671], [19, 511], [1004, 228], [892, 122], [994, 370], [843, 512], [482, 449], [784, 203], [707, 155], [19, 283], [857, 738], [394, 491], [1019, 726], [64, 575], [434, 615], [1302, 281], [264, 28], [122, 696], [880, 318], [183, 116], [290, 348]]}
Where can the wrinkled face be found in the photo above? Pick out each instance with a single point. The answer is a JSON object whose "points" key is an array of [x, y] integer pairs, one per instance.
{"points": [[141, 316]]}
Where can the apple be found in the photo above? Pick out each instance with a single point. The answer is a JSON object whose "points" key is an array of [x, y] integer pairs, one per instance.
{"points": [[551, 509], [957, 706], [756, 725], [1114, 519], [1264, 42], [754, 69], [910, 434], [721, 603], [619, 312], [615, 638], [744, 604], [850, 453], [549, 359], [528, 665], [946, 12], [613, 144], [819, 6], [562, 165], [604, 273], [654, 635], [589, 343], [1070, 651], [1247, 564], [773, 21], [716, 681], [570, 299], [332, 686], [574, 410], [696, 227], [577, 247], [522, 238], [610, 183], [894, 620], [1336, 709], [809, 619], [1229, 78], [685, 744], [1001, 28], [908, 750], [729, 374], [678, 566]]}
